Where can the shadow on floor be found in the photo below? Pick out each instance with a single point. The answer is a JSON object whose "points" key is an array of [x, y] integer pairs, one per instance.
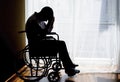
{"points": [[101, 79]]}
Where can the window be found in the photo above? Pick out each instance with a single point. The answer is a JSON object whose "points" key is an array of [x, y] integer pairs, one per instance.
{"points": [[89, 27]]}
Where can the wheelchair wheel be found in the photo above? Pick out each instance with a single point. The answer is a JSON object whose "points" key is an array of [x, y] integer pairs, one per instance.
{"points": [[53, 77], [31, 69]]}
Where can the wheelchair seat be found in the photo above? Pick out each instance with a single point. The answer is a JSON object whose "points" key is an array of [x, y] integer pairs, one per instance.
{"points": [[43, 48], [39, 59]]}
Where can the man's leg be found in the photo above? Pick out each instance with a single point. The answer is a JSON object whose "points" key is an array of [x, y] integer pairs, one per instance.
{"points": [[64, 56]]}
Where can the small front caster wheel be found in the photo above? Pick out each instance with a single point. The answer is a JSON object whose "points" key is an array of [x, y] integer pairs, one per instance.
{"points": [[53, 77]]}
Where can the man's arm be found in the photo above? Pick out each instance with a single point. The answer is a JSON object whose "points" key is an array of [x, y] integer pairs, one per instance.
{"points": [[50, 24]]}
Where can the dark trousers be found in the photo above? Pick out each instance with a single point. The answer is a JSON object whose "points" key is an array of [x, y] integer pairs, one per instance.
{"points": [[64, 55]]}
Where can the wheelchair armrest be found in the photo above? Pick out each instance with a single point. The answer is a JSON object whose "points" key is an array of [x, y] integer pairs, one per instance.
{"points": [[53, 33]]}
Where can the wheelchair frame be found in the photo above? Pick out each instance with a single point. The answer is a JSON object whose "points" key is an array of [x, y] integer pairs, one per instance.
{"points": [[40, 66]]}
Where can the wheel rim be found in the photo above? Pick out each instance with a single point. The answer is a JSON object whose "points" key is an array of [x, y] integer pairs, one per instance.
{"points": [[29, 68]]}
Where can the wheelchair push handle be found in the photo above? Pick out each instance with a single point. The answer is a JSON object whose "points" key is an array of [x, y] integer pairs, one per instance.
{"points": [[23, 31]]}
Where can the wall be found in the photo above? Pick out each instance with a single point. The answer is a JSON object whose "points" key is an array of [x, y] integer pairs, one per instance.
{"points": [[12, 20]]}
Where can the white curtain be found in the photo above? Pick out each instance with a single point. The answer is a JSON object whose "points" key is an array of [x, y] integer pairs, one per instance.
{"points": [[90, 29]]}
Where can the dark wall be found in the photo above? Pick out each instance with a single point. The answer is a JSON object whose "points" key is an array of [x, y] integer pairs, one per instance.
{"points": [[12, 20]]}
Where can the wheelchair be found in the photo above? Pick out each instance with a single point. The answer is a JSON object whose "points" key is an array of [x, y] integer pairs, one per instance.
{"points": [[40, 63]]}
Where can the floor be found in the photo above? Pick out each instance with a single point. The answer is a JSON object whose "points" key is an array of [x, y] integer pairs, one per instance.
{"points": [[81, 77]]}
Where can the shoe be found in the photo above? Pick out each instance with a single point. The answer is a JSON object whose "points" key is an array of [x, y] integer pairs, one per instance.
{"points": [[73, 72], [74, 65]]}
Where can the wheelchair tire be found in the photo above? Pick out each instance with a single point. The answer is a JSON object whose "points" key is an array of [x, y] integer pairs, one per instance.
{"points": [[53, 77], [28, 71]]}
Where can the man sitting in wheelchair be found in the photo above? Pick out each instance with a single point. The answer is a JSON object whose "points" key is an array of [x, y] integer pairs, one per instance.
{"points": [[40, 24]]}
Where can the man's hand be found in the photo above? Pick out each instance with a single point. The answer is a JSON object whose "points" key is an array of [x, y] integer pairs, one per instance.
{"points": [[50, 24]]}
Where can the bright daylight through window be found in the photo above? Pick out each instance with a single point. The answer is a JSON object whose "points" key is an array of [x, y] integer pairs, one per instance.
{"points": [[90, 29]]}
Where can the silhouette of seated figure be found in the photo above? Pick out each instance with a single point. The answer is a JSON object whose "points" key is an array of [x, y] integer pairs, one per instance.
{"points": [[37, 26]]}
